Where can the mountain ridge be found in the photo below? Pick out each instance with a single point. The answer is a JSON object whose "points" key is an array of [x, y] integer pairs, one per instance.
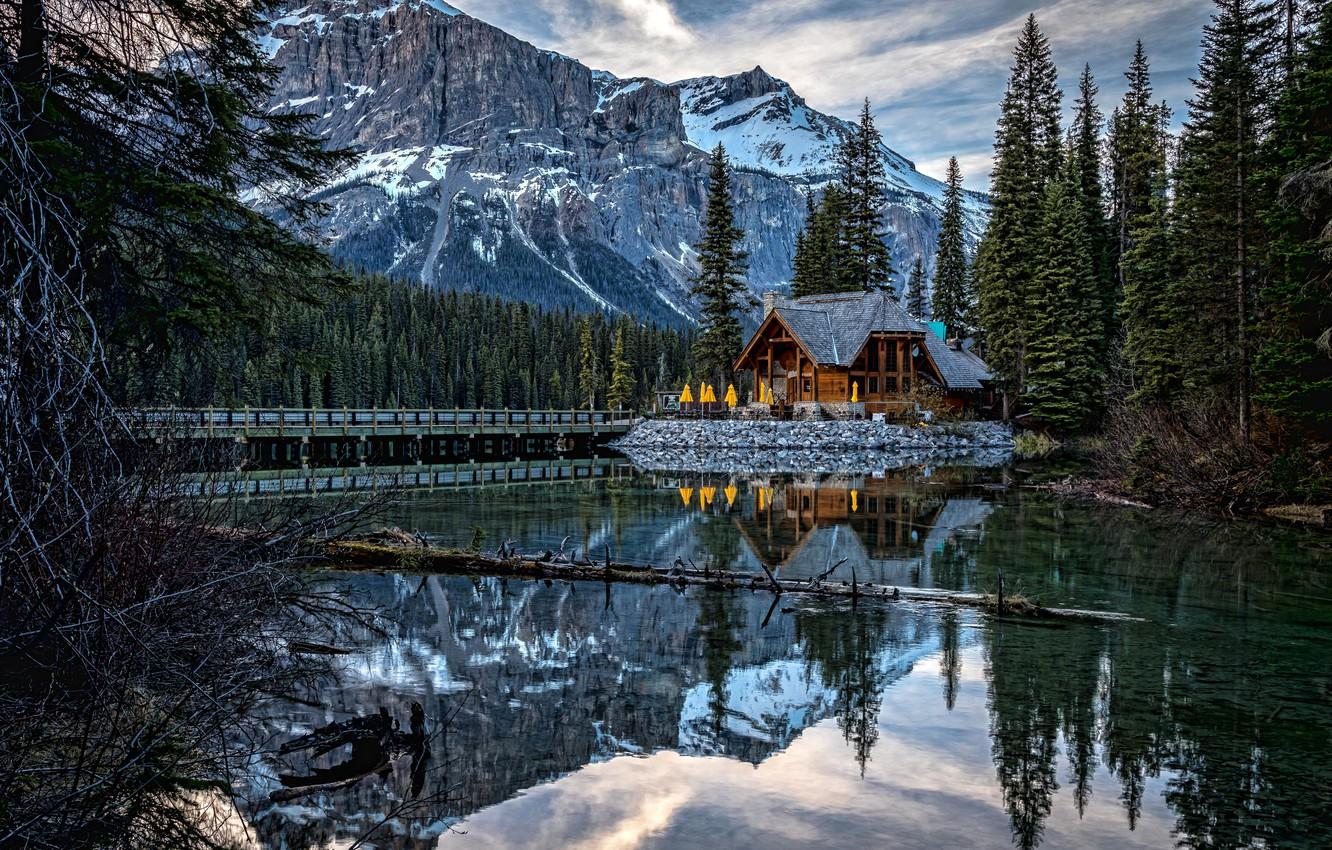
{"points": [[492, 165]]}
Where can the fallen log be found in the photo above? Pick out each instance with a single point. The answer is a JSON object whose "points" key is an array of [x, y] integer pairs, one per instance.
{"points": [[360, 555]]}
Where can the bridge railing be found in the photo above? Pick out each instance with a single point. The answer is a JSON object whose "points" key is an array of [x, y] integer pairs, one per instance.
{"points": [[302, 419]]}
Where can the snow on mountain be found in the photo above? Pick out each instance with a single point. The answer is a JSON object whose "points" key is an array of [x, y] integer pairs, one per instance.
{"points": [[491, 165]]}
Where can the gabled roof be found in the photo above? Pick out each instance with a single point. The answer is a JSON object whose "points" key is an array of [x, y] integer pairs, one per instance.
{"points": [[961, 370], [833, 328]]}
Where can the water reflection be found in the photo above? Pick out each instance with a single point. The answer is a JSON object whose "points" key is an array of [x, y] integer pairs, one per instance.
{"points": [[705, 718]]}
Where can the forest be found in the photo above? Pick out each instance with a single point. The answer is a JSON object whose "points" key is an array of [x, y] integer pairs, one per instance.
{"points": [[1170, 294], [388, 343]]}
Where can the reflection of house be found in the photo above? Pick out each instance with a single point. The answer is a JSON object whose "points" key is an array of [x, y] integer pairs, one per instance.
{"points": [[885, 528], [810, 351]]}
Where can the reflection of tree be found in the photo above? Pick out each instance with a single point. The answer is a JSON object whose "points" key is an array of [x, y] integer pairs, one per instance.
{"points": [[846, 645], [717, 536], [1023, 732], [1043, 683], [717, 623], [950, 662], [1136, 723]]}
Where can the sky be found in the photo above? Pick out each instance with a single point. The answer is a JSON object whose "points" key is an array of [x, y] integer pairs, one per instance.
{"points": [[934, 70]]}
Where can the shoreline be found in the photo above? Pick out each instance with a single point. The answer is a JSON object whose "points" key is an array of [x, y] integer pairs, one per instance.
{"points": [[829, 446]]}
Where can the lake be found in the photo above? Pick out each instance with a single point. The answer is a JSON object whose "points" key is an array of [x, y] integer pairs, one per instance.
{"points": [[585, 715]]}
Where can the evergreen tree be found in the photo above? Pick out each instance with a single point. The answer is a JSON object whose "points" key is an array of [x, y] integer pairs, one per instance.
{"points": [[805, 268], [1085, 159], [1062, 379], [1027, 157], [1147, 311], [1294, 362], [868, 264], [589, 372], [556, 390], [915, 293], [1137, 154], [621, 390], [720, 285], [950, 299], [1220, 191]]}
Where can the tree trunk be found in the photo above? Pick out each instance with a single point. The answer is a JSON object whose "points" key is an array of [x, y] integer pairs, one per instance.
{"points": [[1241, 278]]}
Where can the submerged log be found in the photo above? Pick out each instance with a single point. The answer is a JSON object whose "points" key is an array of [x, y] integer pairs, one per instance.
{"points": [[353, 555]]}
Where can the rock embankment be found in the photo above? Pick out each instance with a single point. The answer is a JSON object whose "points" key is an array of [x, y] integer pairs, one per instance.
{"points": [[861, 434], [830, 446]]}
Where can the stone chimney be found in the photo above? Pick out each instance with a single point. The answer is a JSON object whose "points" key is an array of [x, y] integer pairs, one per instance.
{"points": [[769, 302]]}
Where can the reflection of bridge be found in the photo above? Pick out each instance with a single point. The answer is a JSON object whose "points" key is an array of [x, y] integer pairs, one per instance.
{"points": [[332, 437], [315, 482]]}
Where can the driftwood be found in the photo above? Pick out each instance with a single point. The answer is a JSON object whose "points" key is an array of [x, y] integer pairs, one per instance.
{"points": [[545, 565]]}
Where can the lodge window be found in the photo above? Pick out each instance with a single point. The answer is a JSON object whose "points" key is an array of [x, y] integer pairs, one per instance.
{"points": [[873, 506], [890, 357], [873, 388], [872, 355], [890, 384], [807, 386], [906, 384]]}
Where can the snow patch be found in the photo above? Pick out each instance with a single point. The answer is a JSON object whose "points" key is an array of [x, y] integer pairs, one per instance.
{"points": [[615, 89], [437, 164]]}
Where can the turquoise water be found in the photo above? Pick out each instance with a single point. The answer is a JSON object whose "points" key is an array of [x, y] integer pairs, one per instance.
{"points": [[581, 715]]}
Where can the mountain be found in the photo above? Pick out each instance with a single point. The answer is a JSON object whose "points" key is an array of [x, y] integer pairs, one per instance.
{"points": [[492, 165]]}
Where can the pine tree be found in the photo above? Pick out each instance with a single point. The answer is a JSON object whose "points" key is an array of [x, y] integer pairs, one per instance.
{"points": [[589, 373], [621, 390], [1219, 192], [1085, 160], [720, 285], [868, 262], [827, 244], [1062, 379], [556, 390], [1136, 152], [1027, 157], [950, 299], [1148, 315], [1293, 363], [915, 293], [805, 270]]}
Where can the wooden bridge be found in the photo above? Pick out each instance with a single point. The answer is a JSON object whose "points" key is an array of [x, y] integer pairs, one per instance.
{"points": [[241, 424]]}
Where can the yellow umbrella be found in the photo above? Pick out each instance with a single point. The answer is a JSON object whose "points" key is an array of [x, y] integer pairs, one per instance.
{"points": [[686, 397], [730, 492], [855, 391], [760, 499], [686, 495], [712, 394], [706, 495], [731, 398], [853, 501]]}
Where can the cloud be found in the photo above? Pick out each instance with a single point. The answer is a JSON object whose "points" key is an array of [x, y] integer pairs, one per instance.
{"points": [[934, 71], [655, 19]]}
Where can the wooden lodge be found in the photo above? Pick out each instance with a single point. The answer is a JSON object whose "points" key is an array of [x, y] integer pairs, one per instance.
{"points": [[815, 353]]}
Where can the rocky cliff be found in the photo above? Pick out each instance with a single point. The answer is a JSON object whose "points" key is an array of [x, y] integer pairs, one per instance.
{"points": [[491, 165]]}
